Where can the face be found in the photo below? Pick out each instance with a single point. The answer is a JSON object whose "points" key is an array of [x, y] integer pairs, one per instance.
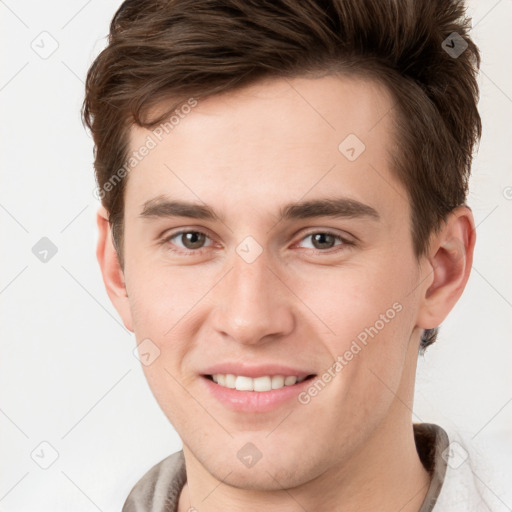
{"points": [[250, 281]]}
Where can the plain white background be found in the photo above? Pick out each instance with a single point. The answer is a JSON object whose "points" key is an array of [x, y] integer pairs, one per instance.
{"points": [[68, 374]]}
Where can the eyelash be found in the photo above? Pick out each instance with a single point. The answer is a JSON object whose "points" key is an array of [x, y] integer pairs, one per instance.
{"points": [[191, 252]]}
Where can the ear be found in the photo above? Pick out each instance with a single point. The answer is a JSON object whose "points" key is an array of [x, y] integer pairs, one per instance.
{"points": [[113, 275], [450, 258]]}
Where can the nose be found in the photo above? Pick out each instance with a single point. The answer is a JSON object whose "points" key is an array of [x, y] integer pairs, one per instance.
{"points": [[253, 305]]}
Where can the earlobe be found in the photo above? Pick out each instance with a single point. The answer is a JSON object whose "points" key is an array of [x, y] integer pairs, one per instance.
{"points": [[113, 275], [450, 258]]}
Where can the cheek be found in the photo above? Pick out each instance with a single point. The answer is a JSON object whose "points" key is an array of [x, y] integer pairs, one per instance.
{"points": [[160, 300], [161, 305], [363, 314], [348, 300], [168, 308]]}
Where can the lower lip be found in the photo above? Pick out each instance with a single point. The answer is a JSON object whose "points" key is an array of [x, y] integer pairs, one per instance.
{"points": [[254, 401]]}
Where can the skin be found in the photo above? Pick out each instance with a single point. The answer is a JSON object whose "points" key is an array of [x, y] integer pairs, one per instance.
{"points": [[247, 153]]}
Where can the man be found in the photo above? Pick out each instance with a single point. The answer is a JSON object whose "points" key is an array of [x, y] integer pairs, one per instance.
{"points": [[283, 227]]}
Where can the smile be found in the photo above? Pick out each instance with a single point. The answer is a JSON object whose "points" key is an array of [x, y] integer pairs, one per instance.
{"points": [[255, 394], [258, 384]]}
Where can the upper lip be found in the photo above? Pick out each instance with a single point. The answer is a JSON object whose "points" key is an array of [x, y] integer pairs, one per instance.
{"points": [[254, 371]]}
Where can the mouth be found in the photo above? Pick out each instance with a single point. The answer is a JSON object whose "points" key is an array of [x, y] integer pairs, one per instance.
{"points": [[262, 384], [260, 394]]}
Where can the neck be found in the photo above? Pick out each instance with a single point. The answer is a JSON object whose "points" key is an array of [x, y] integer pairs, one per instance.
{"points": [[386, 475]]}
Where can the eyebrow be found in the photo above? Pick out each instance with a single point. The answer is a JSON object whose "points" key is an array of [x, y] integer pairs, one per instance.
{"points": [[341, 207]]}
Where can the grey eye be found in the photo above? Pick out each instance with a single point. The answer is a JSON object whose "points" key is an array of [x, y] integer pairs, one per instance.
{"points": [[323, 240], [190, 240]]}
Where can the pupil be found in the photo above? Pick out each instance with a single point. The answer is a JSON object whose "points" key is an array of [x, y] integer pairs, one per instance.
{"points": [[190, 237], [321, 237]]}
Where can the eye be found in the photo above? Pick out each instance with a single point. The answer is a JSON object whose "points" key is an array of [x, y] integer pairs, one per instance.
{"points": [[192, 241], [324, 240]]}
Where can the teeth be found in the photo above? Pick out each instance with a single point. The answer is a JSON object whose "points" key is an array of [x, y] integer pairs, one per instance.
{"points": [[243, 383], [289, 381], [266, 383], [230, 381]]}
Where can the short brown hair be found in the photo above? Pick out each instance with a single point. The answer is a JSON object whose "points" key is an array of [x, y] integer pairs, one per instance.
{"points": [[172, 50]]}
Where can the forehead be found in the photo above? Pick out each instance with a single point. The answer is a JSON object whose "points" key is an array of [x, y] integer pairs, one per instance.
{"points": [[272, 140]]}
